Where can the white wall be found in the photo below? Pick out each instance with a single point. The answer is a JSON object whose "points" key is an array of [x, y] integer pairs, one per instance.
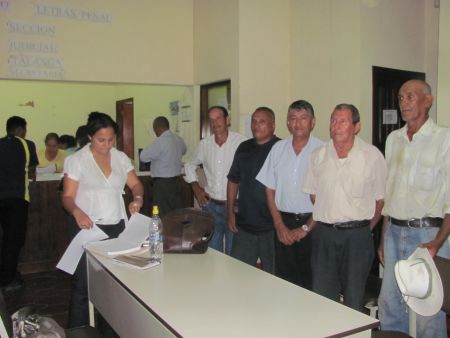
{"points": [[443, 94], [135, 41]]}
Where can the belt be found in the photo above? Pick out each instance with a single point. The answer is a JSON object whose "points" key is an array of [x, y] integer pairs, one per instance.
{"points": [[165, 178], [218, 202], [298, 216], [347, 225], [424, 222]]}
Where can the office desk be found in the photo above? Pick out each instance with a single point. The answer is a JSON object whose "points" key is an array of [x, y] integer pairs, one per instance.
{"points": [[213, 295]]}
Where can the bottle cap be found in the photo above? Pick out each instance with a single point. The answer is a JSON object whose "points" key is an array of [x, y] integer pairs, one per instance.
{"points": [[155, 210]]}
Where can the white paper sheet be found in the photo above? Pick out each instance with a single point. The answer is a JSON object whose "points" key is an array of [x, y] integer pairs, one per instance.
{"points": [[131, 239], [74, 251]]}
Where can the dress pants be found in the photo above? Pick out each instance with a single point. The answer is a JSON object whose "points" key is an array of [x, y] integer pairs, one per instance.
{"points": [[293, 262], [166, 194], [79, 301], [13, 227]]}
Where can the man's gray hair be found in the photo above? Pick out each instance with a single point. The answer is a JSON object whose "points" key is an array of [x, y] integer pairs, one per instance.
{"points": [[355, 112]]}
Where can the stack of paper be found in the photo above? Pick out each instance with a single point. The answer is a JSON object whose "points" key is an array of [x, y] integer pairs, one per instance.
{"points": [[131, 239]]}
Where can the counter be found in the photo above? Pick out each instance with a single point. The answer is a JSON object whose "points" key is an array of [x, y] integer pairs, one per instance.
{"points": [[47, 235]]}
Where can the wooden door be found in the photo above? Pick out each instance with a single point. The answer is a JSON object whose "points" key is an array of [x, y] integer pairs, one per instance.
{"points": [[207, 101], [386, 115], [125, 120]]}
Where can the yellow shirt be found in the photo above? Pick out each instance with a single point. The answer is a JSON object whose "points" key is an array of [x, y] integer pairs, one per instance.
{"points": [[418, 183], [58, 160], [346, 189]]}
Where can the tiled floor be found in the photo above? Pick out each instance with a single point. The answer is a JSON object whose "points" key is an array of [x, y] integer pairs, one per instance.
{"points": [[47, 292]]}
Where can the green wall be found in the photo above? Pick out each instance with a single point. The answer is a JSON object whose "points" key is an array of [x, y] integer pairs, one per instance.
{"points": [[63, 106]]}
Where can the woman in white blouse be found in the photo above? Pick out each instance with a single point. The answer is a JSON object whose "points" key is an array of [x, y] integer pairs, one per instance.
{"points": [[94, 178]]}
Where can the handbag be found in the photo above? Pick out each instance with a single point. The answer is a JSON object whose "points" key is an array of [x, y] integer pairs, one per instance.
{"points": [[27, 324], [187, 230]]}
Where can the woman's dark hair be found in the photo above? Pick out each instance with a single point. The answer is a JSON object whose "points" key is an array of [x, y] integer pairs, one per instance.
{"points": [[68, 140], [97, 121], [81, 136], [51, 136]]}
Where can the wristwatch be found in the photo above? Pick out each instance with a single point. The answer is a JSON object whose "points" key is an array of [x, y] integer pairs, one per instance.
{"points": [[305, 227]]}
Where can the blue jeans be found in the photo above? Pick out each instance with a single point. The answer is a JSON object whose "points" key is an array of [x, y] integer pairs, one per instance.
{"points": [[219, 212], [400, 243]]}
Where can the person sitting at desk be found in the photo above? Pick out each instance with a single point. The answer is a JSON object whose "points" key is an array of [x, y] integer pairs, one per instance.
{"points": [[94, 178], [51, 155]]}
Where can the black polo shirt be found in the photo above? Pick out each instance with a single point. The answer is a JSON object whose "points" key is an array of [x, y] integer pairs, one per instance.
{"points": [[12, 166], [253, 213]]}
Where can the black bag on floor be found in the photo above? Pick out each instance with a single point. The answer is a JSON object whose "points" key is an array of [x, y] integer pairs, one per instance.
{"points": [[28, 324]]}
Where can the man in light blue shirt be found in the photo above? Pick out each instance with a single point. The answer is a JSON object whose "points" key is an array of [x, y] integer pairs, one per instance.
{"points": [[282, 174], [165, 155]]}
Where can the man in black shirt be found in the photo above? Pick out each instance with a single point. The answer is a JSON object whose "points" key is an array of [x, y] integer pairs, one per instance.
{"points": [[18, 158], [252, 223]]}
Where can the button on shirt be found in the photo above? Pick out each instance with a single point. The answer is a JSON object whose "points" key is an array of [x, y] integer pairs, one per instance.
{"points": [[98, 196], [418, 183], [346, 189], [165, 154], [284, 171], [216, 162]]}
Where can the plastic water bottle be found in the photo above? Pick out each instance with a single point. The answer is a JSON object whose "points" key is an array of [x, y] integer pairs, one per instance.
{"points": [[156, 236]]}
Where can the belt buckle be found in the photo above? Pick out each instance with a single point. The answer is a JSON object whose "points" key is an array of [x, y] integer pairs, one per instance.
{"points": [[414, 219]]}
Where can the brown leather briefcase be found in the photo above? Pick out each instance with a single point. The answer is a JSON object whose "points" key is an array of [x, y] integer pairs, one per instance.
{"points": [[187, 230]]}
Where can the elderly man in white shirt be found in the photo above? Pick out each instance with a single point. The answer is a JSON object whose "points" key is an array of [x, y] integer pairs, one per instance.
{"points": [[215, 153], [417, 204], [346, 180]]}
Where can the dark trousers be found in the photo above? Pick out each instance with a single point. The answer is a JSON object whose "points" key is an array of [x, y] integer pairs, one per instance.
{"points": [[249, 246], [293, 262], [341, 261], [13, 222], [167, 194], [79, 301]]}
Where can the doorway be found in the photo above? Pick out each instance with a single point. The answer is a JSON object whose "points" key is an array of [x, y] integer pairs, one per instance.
{"points": [[385, 112], [213, 94], [386, 117], [125, 120]]}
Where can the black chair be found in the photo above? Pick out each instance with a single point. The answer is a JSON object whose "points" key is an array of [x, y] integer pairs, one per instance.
{"points": [[6, 325], [443, 266]]}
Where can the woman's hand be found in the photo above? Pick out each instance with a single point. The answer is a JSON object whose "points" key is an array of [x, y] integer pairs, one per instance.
{"points": [[82, 219], [135, 205]]}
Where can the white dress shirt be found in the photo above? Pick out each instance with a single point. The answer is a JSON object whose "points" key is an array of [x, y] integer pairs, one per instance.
{"points": [[100, 197], [284, 172], [418, 183], [346, 189], [216, 161]]}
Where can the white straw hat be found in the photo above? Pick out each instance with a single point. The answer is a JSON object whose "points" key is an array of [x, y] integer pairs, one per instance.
{"points": [[420, 283]]}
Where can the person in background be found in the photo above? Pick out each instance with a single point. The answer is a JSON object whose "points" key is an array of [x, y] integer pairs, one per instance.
{"points": [[346, 180], [215, 153], [81, 137], [282, 174], [51, 155], [68, 144], [165, 155], [18, 159], [94, 178], [417, 206], [252, 224]]}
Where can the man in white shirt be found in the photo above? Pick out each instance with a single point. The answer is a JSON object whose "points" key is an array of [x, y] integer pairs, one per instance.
{"points": [[346, 180], [216, 154], [165, 155], [290, 208], [417, 204]]}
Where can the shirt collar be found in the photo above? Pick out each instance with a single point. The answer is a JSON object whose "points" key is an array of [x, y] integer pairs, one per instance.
{"points": [[426, 129]]}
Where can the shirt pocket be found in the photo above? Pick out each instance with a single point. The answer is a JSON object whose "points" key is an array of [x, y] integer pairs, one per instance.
{"points": [[424, 178], [361, 186]]}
